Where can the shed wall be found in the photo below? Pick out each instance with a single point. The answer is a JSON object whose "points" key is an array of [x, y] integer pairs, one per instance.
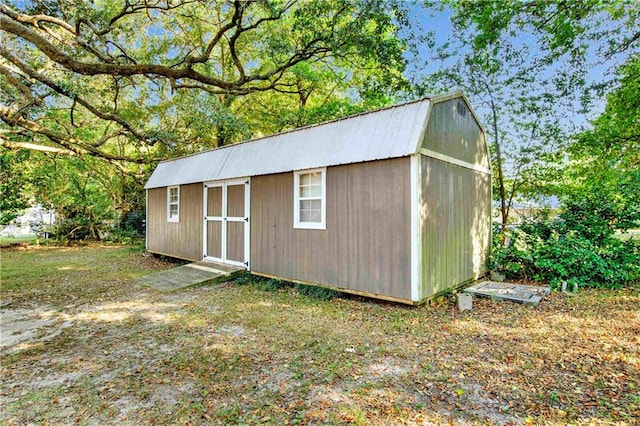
{"points": [[455, 224], [453, 131], [366, 245], [182, 239]]}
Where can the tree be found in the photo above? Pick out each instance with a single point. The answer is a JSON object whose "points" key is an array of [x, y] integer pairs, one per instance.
{"points": [[133, 81], [600, 200], [115, 79], [606, 159], [12, 197], [560, 27]]}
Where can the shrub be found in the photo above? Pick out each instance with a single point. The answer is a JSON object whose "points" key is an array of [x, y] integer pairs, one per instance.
{"points": [[123, 236], [579, 248], [262, 283], [315, 292]]}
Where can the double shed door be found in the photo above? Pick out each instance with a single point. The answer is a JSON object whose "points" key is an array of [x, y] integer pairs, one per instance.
{"points": [[226, 222]]}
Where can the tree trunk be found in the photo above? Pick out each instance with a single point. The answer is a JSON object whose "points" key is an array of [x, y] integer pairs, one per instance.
{"points": [[504, 210]]}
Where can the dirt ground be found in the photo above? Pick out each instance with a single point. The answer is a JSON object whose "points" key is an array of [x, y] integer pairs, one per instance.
{"points": [[83, 343]]}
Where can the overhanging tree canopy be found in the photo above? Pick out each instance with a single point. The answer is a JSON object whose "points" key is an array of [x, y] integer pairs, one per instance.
{"points": [[102, 78]]}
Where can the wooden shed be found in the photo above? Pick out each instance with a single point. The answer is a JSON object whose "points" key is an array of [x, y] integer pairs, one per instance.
{"points": [[393, 204]]}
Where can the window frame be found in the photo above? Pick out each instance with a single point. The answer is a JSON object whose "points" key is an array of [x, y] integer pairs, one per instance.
{"points": [[176, 203], [322, 225]]}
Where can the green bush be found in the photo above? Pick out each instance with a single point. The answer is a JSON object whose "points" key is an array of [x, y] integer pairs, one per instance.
{"points": [[123, 236], [579, 248], [76, 227], [316, 292], [262, 283]]}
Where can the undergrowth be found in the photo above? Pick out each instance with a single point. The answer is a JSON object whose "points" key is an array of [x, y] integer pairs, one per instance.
{"points": [[579, 248], [271, 284], [316, 292]]}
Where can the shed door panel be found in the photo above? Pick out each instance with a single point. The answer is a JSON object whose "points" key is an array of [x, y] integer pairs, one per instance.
{"points": [[235, 220], [235, 201], [214, 201], [214, 239], [235, 241], [214, 223]]}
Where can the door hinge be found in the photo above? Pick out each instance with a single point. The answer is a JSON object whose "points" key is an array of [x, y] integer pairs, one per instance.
{"points": [[246, 183], [246, 219], [246, 264], [205, 255]]}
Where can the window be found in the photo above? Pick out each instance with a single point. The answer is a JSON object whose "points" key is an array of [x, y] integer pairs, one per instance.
{"points": [[173, 204], [462, 110], [309, 209]]}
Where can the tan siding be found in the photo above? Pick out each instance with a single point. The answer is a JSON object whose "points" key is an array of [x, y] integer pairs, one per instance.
{"points": [[455, 223], [182, 239], [456, 135], [366, 246]]}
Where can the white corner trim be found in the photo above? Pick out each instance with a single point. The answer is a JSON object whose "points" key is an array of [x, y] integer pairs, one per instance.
{"points": [[247, 224], [455, 161], [423, 130], [146, 219], [416, 295]]}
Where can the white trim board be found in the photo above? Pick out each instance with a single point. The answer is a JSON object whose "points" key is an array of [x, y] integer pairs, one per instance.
{"points": [[416, 290], [455, 161]]}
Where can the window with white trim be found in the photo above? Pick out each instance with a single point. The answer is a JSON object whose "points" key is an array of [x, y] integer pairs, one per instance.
{"points": [[309, 195], [173, 204]]}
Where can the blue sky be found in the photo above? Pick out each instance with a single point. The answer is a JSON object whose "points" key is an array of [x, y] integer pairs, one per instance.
{"points": [[439, 22]]}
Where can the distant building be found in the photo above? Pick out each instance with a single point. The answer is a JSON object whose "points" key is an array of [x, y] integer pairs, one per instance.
{"points": [[36, 219]]}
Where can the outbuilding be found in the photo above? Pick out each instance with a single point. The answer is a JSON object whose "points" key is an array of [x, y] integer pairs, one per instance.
{"points": [[393, 204]]}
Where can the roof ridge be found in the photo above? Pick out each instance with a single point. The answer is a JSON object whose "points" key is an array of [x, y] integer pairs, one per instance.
{"points": [[308, 126]]}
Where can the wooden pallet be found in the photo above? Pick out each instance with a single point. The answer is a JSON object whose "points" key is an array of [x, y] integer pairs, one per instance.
{"points": [[526, 294]]}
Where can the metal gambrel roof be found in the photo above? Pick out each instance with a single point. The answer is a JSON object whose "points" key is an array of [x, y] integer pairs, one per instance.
{"points": [[386, 133]]}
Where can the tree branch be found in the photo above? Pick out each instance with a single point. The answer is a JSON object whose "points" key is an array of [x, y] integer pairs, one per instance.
{"points": [[66, 141], [35, 20], [311, 49], [76, 98], [85, 68], [34, 147]]}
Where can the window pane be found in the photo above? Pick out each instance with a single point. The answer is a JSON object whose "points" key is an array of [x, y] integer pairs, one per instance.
{"points": [[173, 211], [304, 179], [315, 178], [311, 191], [310, 205], [310, 216], [310, 211], [173, 195], [315, 216]]}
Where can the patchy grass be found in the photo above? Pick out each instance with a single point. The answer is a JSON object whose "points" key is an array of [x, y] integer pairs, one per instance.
{"points": [[16, 241], [106, 350]]}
